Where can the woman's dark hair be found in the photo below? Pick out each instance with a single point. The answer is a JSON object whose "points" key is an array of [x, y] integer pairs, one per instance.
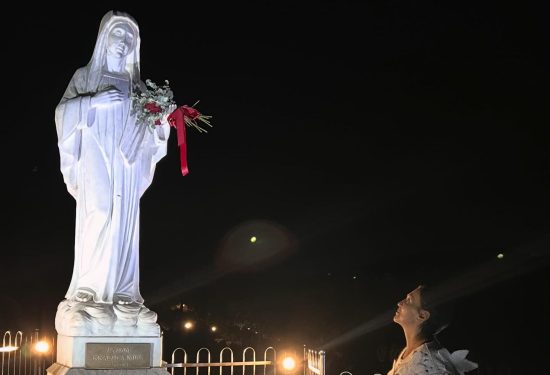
{"points": [[440, 315]]}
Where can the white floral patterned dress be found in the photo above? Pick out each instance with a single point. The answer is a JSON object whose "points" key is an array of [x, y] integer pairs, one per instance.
{"points": [[424, 360]]}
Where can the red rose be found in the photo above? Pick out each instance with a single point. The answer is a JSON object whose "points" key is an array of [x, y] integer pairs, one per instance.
{"points": [[153, 108]]}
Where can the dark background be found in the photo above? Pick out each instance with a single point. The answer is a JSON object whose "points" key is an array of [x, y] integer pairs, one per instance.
{"points": [[369, 147]]}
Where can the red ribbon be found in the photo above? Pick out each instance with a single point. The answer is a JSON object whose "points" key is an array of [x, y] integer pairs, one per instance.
{"points": [[177, 120]]}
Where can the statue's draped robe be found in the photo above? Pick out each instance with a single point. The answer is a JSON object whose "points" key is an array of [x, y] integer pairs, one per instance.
{"points": [[107, 162]]}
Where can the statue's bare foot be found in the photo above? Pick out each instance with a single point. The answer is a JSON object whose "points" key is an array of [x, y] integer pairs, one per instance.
{"points": [[122, 300], [84, 296]]}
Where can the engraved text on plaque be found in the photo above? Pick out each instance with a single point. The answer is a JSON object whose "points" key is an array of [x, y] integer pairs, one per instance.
{"points": [[115, 356]]}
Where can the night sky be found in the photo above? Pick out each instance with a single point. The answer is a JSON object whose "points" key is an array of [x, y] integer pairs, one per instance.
{"points": [[369, 148]]}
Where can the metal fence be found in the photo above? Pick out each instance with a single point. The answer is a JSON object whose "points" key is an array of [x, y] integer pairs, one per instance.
{"points": [[203, 362], [26, 353], [31, 354], [227, 364], [315, 363]]}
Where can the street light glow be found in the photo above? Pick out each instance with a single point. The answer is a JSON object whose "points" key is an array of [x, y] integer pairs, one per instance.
{"points": [[213, 328], [253, 239], [42, 347], [289, 363], [188, 325]]}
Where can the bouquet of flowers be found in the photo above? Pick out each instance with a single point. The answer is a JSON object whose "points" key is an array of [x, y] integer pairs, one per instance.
{"points": [[152, 105]]}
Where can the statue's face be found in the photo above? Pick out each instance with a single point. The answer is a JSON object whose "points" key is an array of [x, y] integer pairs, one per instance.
{"points": [[120, 41]]}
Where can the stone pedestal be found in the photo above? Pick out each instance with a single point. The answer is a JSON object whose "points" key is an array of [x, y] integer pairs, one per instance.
{"points": [[108, 355]]}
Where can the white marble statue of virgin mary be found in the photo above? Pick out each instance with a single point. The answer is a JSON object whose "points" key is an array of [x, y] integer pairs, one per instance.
{"points": [[107, 161]]}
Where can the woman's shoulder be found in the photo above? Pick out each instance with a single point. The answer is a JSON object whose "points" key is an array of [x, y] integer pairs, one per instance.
{"points": [[428, 361], [432, 359], [457, 360]]}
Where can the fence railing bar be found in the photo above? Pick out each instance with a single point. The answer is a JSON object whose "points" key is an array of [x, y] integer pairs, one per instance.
{"points": [[220, 364]]}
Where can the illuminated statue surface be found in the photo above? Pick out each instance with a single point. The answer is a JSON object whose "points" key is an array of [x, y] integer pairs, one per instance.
{"points": [[107, 162]]}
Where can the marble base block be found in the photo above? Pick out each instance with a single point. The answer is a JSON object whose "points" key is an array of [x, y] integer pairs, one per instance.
{"points": [[108, 352]]}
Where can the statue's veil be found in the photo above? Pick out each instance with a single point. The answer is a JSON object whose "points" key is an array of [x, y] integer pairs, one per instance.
{"points": [[95, 66]]}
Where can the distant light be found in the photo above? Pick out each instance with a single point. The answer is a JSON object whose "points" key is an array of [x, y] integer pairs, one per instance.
{"points": [[354, 277], [188, 325], [6, 349], [253, 239], [213, 328], [500, 256], [248, 328], [42, 347], [289, 363]]}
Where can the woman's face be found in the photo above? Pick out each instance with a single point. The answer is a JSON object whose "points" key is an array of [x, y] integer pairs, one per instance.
{"points": [[120, 41], [409, 310]]}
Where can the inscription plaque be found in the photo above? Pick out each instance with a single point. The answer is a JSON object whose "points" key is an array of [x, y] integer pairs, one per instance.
{"points": [[117, 356]]}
